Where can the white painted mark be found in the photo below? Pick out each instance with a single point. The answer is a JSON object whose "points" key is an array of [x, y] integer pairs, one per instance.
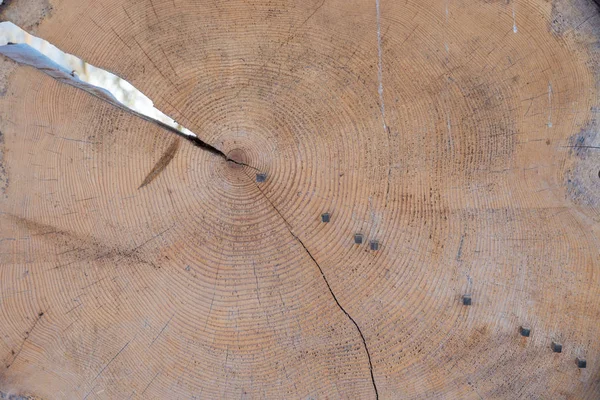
{"points": [[515, 30], [549, 104], [449, 126], [380, 66]]}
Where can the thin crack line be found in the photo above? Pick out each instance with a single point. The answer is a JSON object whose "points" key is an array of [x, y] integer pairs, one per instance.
{"points": [[362, 336], [27, 335], [293, 34], [241, 163]]}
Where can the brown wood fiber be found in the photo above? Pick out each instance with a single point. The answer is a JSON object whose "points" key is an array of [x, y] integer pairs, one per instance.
{"points": [[134, 264]]}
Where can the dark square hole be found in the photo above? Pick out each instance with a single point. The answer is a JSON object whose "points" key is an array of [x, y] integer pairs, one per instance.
{"points": [[374, 244], [261, 177], [581, 363], [466, 299], [556, 347], [358, 238], [325, 217], [525, 331]]}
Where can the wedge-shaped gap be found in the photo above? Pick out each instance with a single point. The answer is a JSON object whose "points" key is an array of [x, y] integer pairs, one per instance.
{"points": [[27, 49]]}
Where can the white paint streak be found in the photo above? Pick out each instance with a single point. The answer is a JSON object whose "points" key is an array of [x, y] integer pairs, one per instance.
{"points": [[549, 104], [515, 30], [380, 66]]}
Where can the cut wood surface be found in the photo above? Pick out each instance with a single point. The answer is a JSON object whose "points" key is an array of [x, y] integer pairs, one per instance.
{"points": [[460, 135]]}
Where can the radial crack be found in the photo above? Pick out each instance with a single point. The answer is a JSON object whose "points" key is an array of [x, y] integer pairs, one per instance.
{"points": [[25, 54], [362, 336]]}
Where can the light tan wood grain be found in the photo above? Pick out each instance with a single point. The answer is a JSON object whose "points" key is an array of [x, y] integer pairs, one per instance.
{"points": [[134, 264]]}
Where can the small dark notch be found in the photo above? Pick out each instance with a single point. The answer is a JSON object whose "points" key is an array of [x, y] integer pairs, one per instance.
{"points": [[358, 238], [525, 331], [581, 363], [261, 177], [466, 300], [374, 245], [556, 347], [325, 217]]}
